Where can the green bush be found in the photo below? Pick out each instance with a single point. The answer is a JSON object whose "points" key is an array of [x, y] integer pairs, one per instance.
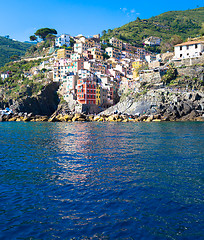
{"points": [[170, 75]]}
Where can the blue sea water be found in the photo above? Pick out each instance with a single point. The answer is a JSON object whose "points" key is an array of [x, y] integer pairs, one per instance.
{"points": [[101, 180]]}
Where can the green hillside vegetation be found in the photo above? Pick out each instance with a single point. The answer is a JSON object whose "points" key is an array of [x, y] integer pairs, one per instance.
{"points": [[18, 84], [182, 23], [8, 48]]}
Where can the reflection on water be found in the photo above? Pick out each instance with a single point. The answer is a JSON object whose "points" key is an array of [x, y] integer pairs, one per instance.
{"points": [[101, 180]]}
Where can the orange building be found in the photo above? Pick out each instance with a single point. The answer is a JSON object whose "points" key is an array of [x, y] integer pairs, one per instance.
{"points": [[86, 91]]}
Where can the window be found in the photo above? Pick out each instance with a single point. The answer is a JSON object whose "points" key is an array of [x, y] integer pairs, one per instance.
{"points": [[196, 45], [187, 47], [181, 48], [180, 55]]}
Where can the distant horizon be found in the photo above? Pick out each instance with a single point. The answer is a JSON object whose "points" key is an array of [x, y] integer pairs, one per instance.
{"points": [[86, 18]]}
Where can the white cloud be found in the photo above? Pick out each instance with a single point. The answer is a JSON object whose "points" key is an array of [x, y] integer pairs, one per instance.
{"points": [[130, 13]]}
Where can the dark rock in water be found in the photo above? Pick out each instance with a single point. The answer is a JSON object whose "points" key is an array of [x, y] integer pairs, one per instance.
{"points": [[199, 107], [44, 103], [63, 108], [193, 114], [197, 97], [186, 109]]}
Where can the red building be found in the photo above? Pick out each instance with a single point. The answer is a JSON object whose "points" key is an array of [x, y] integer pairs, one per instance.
{"points": [[86, 91]]}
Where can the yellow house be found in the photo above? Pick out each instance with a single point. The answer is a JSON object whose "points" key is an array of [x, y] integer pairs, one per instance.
{"points": [[98, 95], [63, 53], [97, 54], [136, 66]]}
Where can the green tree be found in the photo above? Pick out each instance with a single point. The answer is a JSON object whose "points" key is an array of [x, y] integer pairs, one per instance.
{"points": [[104, 32], [50, 37], [166, 46], [176, 39], [43, 32], [33, 38], [15, 57], [1, 81], [109, 31], [72, 42], [202, 30], [171, 74], [106, 56]]}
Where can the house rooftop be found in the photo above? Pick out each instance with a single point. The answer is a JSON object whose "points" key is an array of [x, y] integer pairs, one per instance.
{"points": [[189, 43]]}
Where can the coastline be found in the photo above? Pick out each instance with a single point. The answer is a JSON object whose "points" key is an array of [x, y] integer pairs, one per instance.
{"points": [[79, 117]]}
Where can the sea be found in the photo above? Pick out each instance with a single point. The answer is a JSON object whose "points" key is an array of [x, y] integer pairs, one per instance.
{"points": [[102, 180]]}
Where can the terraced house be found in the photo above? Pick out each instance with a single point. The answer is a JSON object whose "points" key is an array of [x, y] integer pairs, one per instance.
{"points": [[116, 43], [189, 49]]}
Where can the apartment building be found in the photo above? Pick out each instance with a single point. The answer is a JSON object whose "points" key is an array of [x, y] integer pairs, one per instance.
{"points": [[113, 52], [63, 53], [116, 43], [189, 49], [63, 39]]}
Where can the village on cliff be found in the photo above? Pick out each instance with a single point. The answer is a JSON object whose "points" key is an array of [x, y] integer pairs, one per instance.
{"points": [[94, 73]]}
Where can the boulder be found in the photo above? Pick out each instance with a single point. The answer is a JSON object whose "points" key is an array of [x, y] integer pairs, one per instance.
{"points": [[79, 117], [142, 118], [196, 97], [59, 118], [96, 118], [68, 117], [13, 119], [200, 119]]}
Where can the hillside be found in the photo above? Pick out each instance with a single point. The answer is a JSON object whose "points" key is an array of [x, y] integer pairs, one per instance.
{"points": [[8, 47], [184, 23]]}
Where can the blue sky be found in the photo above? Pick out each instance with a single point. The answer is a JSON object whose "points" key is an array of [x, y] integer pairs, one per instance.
{"points": [[21, 18]]}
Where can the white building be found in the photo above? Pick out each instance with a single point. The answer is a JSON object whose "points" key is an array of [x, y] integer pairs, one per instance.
{"points": [[150, 58], [4, 76], [113, 52], [189, 49], [152, 41], [81, 47], [64, 39]]}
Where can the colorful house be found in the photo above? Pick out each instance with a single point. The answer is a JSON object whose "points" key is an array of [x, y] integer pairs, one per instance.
{"points": [[63, 53], [116, 43], [86, 91], [64, 39], [136, 66]]}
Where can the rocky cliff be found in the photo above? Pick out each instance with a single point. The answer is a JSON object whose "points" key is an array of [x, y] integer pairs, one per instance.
{"points": [[44, 103], [171, 104]]}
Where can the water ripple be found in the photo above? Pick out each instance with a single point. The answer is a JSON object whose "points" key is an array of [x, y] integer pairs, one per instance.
{"points": [[101, 181]]}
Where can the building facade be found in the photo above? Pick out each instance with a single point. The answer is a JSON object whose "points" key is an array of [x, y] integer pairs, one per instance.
{"points": [[189, 49], [64, 39]]}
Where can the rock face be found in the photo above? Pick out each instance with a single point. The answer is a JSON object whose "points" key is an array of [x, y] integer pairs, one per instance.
{"points": [[172, 105], [45, 103]]}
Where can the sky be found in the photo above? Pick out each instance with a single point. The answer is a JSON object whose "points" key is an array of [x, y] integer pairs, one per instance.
{"points": [[21, 18]]}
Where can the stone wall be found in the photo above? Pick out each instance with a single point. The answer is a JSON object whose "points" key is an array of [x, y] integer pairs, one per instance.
{"points": [[189, 61], [191, 71], [150, 77]]}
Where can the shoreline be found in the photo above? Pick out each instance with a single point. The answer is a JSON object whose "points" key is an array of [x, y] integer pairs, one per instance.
{"points": [[78, 117]]}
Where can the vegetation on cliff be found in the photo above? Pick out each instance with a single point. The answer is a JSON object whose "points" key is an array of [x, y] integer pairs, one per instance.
{"points": [[9, 47], [19, 83], [182, 23]]}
